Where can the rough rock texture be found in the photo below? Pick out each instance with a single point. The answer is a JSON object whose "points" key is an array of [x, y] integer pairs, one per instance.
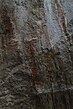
{"points": [[36, 54]]}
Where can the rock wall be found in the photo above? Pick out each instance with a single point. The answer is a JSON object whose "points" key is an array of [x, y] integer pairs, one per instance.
{"points": [[36, 54]]}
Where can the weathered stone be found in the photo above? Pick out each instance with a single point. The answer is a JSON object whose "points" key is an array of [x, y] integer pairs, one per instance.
{"points": [[36, 54]]}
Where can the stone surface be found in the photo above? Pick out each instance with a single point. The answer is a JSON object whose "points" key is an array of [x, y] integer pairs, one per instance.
{"points": [[36, 54]]}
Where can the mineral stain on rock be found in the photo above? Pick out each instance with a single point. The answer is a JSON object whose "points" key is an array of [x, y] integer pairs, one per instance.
{"points": [[36, 54]]}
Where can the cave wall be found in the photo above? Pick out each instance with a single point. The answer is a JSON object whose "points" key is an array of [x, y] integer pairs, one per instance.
{"points": [[36, 54]]}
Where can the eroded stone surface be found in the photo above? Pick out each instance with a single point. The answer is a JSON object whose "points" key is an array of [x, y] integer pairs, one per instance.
{"points": [[36, 54]]}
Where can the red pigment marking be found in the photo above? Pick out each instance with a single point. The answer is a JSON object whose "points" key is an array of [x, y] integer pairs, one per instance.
{"points": [[33, 64], [10, 43]]}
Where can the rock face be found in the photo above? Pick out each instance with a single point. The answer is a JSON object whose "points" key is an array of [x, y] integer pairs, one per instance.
{"points": [[36, 54]]}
